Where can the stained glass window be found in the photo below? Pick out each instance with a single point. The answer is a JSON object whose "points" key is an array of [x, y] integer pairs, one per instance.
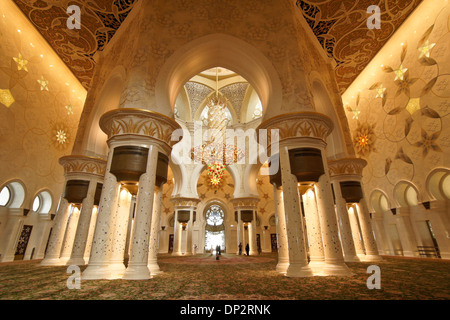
{"points": [[205, 120], [258, 111], [214, 216]]}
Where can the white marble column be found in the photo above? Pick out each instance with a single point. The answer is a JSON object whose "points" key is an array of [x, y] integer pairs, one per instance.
{"points": [[441, 228], [177, 236], [334, 260], [70, 236], [348, 245], [154, 234], [163, 246], [380, 234], [43, 230], [57, 236], [406, 232], [101, 250], [90, 237], [84, 223], [298, 260], [370, 245], [138, 263], [118, 235], [252, 236], [356, 232], [239, 228], [316, 253], [283, 250], [189, 227], [11, 235], [130, 228], [265, 247], [245, 237]]}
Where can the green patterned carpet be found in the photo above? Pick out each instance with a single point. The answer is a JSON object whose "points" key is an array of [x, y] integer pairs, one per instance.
{"points": [[243, 278]]}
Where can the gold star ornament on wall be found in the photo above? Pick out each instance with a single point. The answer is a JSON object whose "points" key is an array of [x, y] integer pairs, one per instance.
{"points": [[6, 98], [425, 50], [413, 105], [69, 109], [61, 136], [43, 83], [380, 91], [400, 72], [21, 63]]}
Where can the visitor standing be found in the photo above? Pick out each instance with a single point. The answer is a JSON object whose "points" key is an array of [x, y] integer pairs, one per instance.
{"points": [[247, 249]]}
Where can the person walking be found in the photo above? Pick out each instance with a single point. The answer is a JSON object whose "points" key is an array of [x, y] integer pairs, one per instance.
{"points": [[240, 248], [247, 249]]}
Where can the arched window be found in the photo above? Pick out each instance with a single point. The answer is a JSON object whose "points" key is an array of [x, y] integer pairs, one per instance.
{"points": [[405, 194], [438, 184], [214, 216], [446, 186], [12, 195], [42, 203], [379, 201], [258, 111], [215, 229], [204, 116], [176, 113], [5, 196], [272, 221], [36, 203]]}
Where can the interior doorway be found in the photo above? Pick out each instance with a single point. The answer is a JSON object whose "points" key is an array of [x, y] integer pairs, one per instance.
{"points": [[214, 229]]}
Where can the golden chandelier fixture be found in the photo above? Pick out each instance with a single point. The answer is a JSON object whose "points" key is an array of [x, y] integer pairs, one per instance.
{"points": [[215, 153]]}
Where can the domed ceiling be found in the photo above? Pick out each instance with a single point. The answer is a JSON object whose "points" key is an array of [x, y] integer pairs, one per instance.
{"points": [[235, 89], [339, 25]]}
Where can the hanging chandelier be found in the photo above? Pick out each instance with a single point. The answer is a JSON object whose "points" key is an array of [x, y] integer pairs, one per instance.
{"points": [[216, 154]]}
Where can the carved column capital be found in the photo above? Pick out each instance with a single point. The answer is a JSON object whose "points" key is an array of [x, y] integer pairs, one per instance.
{"points": [[245, 203], [83, 165], [185, 202], [347, 168], [139, 122], [299, 125]]}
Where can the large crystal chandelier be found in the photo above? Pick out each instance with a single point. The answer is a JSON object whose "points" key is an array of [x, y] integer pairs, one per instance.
{"points": [[215, 153]]}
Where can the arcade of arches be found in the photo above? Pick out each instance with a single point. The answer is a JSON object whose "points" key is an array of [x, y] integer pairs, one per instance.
{"points": [[106, 176]]}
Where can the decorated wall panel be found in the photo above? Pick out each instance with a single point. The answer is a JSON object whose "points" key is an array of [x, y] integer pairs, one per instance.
{"points": [[398, 108], [40, 106]]}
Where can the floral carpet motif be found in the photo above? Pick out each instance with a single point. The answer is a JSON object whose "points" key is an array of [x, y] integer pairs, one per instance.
{"points": [[211, 259], [254, 279]]}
